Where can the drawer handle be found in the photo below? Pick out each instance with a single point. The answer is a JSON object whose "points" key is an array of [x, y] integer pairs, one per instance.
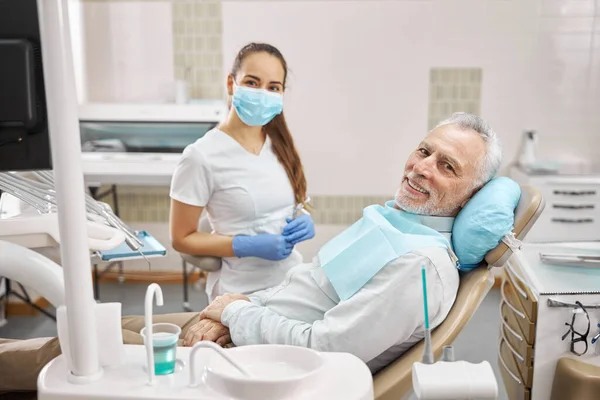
{"points": [[515, 353], [513, 308], [574, 207], [557, 303], [511, 330], [515, 377], [573, 221], [575, 192], [512, 274]]}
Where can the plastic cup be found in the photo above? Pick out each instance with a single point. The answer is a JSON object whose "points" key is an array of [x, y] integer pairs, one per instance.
{"points": [[164, 346]]}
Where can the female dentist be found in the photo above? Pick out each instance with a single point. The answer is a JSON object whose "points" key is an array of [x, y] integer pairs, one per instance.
{"points": [[249, 177]]}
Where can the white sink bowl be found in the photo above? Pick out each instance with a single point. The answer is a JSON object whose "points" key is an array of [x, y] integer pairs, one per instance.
{"points": [[279, 371]]}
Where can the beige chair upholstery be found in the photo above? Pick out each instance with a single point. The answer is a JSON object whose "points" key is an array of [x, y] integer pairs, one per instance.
{"points": [[575, 380], [395, 381]]}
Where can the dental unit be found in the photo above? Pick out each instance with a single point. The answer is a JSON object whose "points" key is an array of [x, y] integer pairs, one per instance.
{"points": [[159, 369], [80, 224]]}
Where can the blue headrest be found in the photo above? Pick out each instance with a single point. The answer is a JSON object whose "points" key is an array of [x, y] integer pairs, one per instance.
{"points": [[482, 223]]}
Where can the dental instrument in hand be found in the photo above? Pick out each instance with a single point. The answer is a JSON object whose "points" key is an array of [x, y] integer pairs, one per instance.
{"points": [[300, 208], [427, 351]]}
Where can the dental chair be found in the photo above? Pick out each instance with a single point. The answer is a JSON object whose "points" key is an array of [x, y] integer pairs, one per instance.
{"points": [[395, 381]]}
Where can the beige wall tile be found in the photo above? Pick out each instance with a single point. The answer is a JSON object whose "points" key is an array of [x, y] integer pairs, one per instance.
{"points": [[452, 90], [151, 205], [197, 24]]}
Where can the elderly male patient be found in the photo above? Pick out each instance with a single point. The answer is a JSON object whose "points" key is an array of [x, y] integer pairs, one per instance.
{"points": [[382, 317]]}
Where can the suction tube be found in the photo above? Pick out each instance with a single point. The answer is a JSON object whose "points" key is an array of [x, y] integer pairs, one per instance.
{"points": [[427, 351]]}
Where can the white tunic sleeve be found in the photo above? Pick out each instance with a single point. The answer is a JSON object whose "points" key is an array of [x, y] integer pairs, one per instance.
{"points": [[192, 181], [379, 316]]}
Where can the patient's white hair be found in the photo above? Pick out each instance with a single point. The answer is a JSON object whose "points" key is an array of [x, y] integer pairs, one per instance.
{"points": [[490, 163]]}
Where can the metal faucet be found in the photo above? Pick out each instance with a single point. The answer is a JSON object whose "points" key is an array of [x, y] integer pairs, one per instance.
{"points": [[153, 291]]}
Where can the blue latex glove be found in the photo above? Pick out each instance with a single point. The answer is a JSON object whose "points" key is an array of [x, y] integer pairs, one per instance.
{"points": [[300, 229], [265, 245]]}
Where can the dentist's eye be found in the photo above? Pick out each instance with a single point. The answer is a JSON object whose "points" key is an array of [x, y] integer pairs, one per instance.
{"points": [[424, 152]]}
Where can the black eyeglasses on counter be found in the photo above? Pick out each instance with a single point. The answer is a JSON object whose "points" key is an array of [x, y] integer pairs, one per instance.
{"points": [[579, 344]]}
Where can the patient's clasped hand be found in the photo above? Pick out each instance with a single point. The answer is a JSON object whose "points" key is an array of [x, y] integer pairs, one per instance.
{"points": [[362, 293]]}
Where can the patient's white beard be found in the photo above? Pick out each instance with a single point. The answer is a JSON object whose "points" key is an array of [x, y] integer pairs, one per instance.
{"points": [[420, 209]]}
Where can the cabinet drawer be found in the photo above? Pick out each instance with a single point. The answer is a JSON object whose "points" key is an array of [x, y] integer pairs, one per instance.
{"points": [[564, 191], [525, 370], [508, 316], [569, 208], [572, 217], [511, 312], [555, 229], [514, 385], [523, 293], [515, 339]]}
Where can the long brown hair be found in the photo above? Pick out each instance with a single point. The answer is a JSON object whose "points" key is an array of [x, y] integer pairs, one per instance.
{"points": [[277, 129]]}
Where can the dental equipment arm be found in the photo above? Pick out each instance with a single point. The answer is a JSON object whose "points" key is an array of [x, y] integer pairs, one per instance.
{"points": [[101, 209], [42, 196], [65, 144], [33, 270], [100, 236], [365, 325]]}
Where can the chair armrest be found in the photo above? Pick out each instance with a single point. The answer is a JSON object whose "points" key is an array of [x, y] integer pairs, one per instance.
{"points": [[205, 263]]}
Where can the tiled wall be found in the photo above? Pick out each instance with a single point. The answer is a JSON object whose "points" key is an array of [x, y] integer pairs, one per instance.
{"points": [[197, 42], [452, 90], [134, 50], [151, 205]]}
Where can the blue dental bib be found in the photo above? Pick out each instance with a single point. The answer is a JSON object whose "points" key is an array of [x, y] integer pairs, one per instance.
{"points": [[383, 234]]}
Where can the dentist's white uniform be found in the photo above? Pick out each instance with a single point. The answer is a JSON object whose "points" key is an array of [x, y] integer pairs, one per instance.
{"points": [[244, 194], [379, 323]]}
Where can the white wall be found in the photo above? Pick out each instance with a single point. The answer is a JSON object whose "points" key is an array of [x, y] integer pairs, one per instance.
{"points": [[78, 47], [358, 96], [128, 51]]}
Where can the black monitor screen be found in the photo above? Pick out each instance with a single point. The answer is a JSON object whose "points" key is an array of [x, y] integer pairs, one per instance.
{"points": [[24, 137]]}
